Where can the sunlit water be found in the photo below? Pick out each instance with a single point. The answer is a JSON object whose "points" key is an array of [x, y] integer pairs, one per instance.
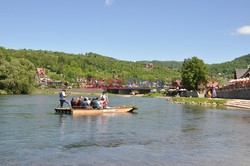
{"points": [[161, 133]]}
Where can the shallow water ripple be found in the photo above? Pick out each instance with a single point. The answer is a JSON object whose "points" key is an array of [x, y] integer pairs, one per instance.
{"points": [[161, 133]]}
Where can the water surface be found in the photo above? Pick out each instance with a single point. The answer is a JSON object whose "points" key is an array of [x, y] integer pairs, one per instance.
{"points": [[161, 133]]}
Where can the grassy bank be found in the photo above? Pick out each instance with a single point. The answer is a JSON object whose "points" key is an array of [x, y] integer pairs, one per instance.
{"points": [[89, 92], [199, 101], [71, 92]]}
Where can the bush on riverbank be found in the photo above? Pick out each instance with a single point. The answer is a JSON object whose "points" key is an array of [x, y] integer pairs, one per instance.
{"points": [[16, 74], [199, 101], [3, 92]]}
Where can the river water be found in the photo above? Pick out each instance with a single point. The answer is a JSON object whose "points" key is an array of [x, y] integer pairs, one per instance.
{"points": [[161, 133]]}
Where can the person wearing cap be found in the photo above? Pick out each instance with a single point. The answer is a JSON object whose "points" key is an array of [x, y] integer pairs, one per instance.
{"points": [[62, 98]]}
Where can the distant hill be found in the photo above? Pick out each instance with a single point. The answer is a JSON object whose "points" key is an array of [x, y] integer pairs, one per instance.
{"points": [[64, 66], [226, 69], [174, 65], [17, 68]]}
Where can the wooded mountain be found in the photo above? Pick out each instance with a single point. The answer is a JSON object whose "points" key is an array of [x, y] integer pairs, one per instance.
{"points": [[226, 69], [70, 66], [66, 67], [172, 65]]}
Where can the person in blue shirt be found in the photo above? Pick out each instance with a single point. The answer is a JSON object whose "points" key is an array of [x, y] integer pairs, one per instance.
{"points": [[95, 103], [62, 98]]}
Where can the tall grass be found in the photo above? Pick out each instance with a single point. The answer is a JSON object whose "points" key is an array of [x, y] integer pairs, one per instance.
{"points": [[200, 101]]}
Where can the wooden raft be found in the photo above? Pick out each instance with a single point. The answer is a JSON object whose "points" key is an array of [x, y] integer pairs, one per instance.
{"points": [[83, 111], [63, 110]]}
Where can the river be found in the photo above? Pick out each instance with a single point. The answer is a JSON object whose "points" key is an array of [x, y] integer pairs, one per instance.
{"points": [[160, 133]]}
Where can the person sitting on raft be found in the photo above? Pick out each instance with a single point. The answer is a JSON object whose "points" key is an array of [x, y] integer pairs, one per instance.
{"points": [[85, 102], [72, 101], [95, 103], [76, 102], [104, 100], [80, 101], [103, 103]]}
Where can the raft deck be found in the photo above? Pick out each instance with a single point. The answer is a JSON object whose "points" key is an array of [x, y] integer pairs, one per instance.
{"points": [[84, 111], [63, 110]]}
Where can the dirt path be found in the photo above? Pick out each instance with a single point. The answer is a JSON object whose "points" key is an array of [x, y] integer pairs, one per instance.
{"points": [[239, 103]]}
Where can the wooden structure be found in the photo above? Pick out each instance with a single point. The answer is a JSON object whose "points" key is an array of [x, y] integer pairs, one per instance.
{"points": [[129, 90], [242, 73], [63, 110], [77, 110]]}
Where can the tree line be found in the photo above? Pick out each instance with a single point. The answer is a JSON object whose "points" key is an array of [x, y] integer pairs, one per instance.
{"points": [[67, 67], [17, 68], [17, 75]]}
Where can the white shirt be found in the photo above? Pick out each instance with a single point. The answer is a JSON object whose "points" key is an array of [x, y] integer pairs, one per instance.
{"points": [[105, 97]]}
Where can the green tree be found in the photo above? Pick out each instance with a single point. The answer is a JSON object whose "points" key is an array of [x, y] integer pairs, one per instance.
{"points": [[194, 72], [17, 75]]}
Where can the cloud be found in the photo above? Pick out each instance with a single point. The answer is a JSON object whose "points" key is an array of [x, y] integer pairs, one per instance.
{"points": [[108, 2], [245, 30]]}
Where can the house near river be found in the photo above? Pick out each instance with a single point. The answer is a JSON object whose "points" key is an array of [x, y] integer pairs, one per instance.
{"points": [[239, 87]]}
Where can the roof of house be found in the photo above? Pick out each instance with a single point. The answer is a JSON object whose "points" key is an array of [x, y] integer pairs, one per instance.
{"points": [[40, 71], [240, 73], [247, 73]]}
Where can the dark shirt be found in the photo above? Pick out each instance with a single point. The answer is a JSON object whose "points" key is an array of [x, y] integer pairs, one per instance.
{"points": [[72, 102], [80, 103], [95, 104]]}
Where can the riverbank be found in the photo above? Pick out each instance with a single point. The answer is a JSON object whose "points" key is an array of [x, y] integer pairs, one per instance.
{"points": [[90, 92], [72, 92], [214, 102], [210, 102], [199, 101]]}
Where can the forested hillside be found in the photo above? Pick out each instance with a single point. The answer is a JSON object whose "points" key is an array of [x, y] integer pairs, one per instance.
{"points": [[66, 67], [16, 74], [226, 69], [172, 65], [17, 68]]}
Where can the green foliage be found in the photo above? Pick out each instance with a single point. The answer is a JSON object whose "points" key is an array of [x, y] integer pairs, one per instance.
{"points": [[199, 101], [170, 65], [17, 68], [17, 75], [92, 65], [194, 72], [3, 92], [227, 69], [55, 77]]}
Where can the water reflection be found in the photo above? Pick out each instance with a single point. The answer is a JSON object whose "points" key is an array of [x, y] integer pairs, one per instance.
{"points": [[161, 133], [194, 109]]}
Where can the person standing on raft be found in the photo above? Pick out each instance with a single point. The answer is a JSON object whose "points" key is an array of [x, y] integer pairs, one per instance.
{"points": [[62, 98]]}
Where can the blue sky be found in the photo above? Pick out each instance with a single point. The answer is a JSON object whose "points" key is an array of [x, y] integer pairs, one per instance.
{"points": [[213, 30]]}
